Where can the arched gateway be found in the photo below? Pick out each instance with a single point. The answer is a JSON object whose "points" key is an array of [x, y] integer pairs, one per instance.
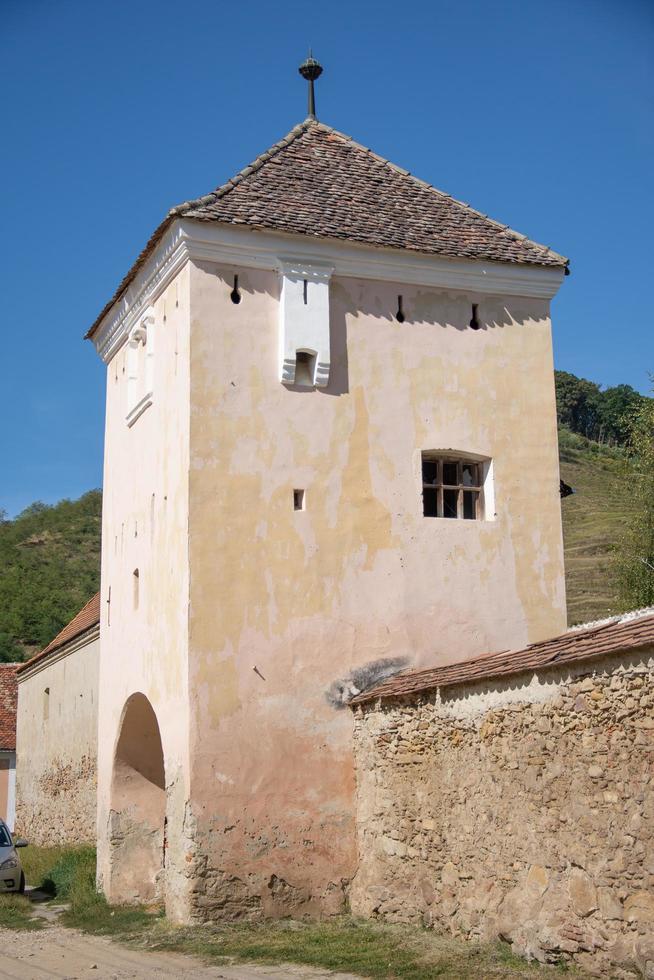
{"points": [[138, 807]]}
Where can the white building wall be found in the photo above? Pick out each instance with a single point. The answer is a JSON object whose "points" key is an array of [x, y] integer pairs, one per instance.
{"points": [[8, 788], [56, 745]]}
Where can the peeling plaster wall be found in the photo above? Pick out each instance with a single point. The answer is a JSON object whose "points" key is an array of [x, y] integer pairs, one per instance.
{"points": [[360, 575], [520, 808], [57, 740], [145, 527]]}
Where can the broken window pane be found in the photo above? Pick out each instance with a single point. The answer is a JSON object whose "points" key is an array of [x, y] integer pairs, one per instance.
{"points": [[470, 475], [449, 474], [450, 501], [470, 504]]}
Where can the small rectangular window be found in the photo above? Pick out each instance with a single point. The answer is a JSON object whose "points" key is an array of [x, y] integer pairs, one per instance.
{"points": [[298, 500], [451, 487], [305, 368]]}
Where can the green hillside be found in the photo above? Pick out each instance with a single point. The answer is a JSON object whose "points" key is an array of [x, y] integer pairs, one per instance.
{"points": [[593, 519], [49, 567]]}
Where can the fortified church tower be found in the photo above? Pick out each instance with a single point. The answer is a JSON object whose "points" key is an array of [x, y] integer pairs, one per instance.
{"points": [[330, 454]]}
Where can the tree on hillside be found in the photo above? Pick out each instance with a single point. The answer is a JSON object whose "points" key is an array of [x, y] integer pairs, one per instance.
{"points": [[577, 402], [636, 552], [49, 568], [602, 416], [616, 408]]}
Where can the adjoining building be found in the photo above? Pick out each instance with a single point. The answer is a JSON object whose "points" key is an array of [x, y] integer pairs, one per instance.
{"points": [[330, 454], [57, 735], [8, 743]]}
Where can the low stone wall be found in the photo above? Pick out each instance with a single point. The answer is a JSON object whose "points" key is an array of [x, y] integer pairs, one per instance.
{"points": [[521, 809]]}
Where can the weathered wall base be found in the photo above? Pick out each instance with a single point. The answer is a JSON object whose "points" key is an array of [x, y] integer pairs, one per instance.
{"points": [[237, 887], [521, 809]]}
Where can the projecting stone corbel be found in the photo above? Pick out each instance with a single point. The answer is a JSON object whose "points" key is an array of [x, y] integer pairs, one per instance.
{"points": [[304, 346]]}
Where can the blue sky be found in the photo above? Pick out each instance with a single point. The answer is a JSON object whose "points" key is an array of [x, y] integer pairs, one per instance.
{"points": [[539, 114]]}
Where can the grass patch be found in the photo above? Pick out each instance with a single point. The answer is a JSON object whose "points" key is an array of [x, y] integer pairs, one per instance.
{"points": [[91, 913], [367, 949], [364, 948], [59, 871], [68, 874], [593, 521], [16, 913]]}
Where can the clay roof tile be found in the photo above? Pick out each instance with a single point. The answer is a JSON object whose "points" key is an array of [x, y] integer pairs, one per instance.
{"points": [[577, 645], [319, 182], [86, 618]]}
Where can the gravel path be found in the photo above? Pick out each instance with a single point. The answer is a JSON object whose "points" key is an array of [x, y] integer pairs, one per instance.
{"points": [[65, 953]]}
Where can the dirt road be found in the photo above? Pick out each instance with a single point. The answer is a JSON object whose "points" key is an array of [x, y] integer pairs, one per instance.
{"points": [[57, 952]]}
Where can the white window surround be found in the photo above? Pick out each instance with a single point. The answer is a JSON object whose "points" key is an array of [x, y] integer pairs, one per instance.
{"points": [[488, 479], [140, 367], [188, 240], [304, 321]]}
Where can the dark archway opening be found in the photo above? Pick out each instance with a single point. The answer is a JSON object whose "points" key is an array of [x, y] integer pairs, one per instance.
{"points": [[138, 807]]}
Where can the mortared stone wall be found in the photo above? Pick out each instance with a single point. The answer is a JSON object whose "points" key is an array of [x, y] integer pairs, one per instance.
{"points": [[520, 808]]}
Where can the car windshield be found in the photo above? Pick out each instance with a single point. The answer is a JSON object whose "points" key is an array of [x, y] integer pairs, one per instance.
{"points": [[5, 839]]}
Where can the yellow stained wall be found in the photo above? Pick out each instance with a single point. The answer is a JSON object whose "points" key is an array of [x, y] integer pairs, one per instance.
{"points": [[285, 603], [145, 527]]}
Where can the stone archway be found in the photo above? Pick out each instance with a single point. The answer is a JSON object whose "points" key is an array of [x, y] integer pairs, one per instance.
{"points": [[138, 807]]}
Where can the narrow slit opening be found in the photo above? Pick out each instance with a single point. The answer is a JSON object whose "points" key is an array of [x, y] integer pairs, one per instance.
{"points": [[474, 320], [399, 316], [235, 295], [298, 500], [306, 291]]}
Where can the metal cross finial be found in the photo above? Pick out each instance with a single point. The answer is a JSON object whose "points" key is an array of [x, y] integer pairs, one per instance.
{"points": [[311, 70]]}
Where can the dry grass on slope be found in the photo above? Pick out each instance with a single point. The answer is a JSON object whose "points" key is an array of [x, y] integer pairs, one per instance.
{"points": [[593, 519]]}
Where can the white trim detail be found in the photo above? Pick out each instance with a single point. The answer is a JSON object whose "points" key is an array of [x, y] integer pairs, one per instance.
{"points": [[304, 321], [136, 412], [10, 819], [228, 245], [140, 367]]}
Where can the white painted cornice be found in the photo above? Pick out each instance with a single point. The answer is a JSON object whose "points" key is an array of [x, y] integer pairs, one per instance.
{"points": [[252, 248], [170, 256]]}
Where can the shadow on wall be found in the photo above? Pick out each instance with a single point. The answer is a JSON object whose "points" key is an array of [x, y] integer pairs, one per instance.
{"points": [[404, 306]]}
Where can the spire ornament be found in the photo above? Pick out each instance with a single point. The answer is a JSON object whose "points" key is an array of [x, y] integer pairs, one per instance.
{"points": [[311, 70]]}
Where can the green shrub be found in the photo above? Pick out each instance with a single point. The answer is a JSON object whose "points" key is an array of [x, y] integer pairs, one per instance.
{"points": [[73, 874]]}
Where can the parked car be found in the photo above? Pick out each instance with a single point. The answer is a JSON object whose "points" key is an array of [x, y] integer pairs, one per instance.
{"points": [[12, 878]]}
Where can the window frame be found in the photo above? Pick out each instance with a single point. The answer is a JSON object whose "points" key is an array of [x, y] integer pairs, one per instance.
{"points": [[438, 486]]}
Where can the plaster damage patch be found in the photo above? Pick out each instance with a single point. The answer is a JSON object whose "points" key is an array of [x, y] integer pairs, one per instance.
{"points": [[360, 679]]}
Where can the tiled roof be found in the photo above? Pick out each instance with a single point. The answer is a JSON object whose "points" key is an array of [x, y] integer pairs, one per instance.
{"points": [[319, 182], [85, 619], [571, 647], [8, 702]]}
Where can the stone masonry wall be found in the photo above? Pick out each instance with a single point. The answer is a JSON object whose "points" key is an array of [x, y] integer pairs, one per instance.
{"points": [[522, 809], [59, 806]]}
